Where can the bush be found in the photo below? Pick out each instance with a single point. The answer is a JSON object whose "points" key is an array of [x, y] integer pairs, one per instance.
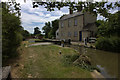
{"points": [[79, 60], [108, 44], [11, 36], [115, 44], [69, 59]]}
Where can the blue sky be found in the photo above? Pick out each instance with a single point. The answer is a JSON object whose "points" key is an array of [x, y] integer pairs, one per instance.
{"points": [[36, 17]]}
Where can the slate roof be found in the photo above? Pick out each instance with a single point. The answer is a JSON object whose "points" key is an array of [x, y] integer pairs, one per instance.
{"points": [[71, 15]]}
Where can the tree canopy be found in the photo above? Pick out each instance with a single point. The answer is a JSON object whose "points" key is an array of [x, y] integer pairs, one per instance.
{"points": [[37, 31], [94, 7], [110, 27], [11, 31], [50, 28]]}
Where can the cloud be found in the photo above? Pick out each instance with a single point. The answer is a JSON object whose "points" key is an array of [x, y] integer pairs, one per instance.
{"points": [[32, 17], [36, 17], [113, 10], [99, 17]]}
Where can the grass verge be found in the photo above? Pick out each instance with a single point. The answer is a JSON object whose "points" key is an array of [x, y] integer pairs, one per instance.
{"points": [[46, 62]]}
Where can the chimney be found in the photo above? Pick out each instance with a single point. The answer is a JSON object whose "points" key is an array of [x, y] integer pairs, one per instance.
{"points": [[70, 11]]}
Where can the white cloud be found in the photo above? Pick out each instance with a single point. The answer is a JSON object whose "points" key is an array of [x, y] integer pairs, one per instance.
{"points": [[113, 11], [99, 17], [48, 15], [32, 17]]}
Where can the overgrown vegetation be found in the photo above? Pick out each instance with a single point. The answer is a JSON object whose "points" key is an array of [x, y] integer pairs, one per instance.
{"points": [[11, 36], [12, 31], [108, 44], [25, 33], [109, 33], [79, 60]]}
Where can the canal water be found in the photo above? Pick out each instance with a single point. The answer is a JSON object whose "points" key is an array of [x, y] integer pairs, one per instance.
{"points": [[107, 62]]}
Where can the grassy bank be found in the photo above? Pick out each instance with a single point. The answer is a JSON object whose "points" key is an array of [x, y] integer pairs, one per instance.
{"points": [[46, 62]]}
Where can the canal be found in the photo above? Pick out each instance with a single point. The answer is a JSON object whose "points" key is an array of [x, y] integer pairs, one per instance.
{"points": [[107, 62]]}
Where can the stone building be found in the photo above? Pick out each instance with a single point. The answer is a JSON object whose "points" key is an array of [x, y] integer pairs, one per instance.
{"points": [[76, 26]]}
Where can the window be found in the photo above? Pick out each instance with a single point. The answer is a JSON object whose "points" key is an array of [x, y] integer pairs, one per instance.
{"points": [[62, 24], [75, 34], [75, 22], [61, 34], [69, 23], [69, 34]]}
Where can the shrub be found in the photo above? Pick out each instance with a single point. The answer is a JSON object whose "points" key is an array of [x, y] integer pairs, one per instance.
{"points": [[11, 36], [115, 44], [69, 59], [82, 61], [108, 44], [103, 44]]}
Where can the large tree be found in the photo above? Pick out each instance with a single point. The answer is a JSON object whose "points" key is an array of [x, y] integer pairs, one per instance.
{"points": [[54, 27], [50, 28], [110, 27], [24, 33], [37, 31], [101, 8], [11, 34], [46, 29]]}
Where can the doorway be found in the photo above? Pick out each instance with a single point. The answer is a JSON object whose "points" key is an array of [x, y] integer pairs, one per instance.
{"points": [[80, 35]]}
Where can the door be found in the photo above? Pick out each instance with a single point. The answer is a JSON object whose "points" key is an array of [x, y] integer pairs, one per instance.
{"points": [[80, 35]]}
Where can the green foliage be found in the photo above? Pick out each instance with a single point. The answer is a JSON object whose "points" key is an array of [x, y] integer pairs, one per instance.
{"points": [[69, 59], [110, 27], [11, 34], [79, 60], [108, 44], [50, 28], [109, 33], [103, 44], [24, 33], [55, 25], [46, 29], [37, 31], [97, 7]]}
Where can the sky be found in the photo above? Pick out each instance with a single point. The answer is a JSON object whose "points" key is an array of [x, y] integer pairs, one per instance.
{"points": [[36, 17]]}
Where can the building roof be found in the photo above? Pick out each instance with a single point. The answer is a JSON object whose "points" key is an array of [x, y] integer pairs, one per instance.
{"points": [[71, 15]]}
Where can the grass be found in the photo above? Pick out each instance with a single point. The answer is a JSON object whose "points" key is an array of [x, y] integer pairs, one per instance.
{"points": [[46, 62]]}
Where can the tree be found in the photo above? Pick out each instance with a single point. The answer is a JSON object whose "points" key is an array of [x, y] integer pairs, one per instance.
{"points": [[11, 35], [109, 34], [46, 29], [50, 28], [37, 31], [55, 25], [98, 7], [110, 27]]}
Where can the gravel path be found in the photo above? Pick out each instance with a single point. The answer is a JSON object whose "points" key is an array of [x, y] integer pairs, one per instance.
{"points": [[43, 43]]}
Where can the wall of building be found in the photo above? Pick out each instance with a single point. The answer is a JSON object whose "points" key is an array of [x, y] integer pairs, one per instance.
{"points": [[89, 18], [71, 31], [85, 34]]}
